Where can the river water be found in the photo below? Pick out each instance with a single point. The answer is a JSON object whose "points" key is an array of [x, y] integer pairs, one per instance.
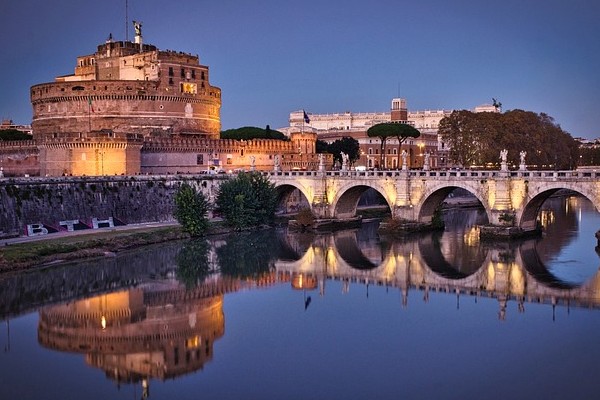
{"points": [[350, 315]]}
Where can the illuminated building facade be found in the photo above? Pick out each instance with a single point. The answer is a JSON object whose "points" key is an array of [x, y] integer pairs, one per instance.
{"points": [[330, 127]]}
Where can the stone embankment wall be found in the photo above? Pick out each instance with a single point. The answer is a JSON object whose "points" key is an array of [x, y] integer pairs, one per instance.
{"points": [[126, 199]]}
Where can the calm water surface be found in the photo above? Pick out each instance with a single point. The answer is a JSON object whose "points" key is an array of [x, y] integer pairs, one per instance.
{"points": [[352, 315]]}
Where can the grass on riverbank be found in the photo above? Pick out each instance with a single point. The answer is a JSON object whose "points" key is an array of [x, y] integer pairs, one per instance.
{"points": [[21, 256]]}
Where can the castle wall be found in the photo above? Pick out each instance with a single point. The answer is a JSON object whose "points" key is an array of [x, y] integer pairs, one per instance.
{"points": [[123, 106], [127, 199], [19, 158]]}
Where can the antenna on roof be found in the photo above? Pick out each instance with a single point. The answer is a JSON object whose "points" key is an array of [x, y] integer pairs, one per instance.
{"points": [[126, 21]]}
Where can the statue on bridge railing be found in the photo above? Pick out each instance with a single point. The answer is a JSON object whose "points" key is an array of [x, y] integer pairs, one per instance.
{"points": [[404, 155], [344, 161], [426, 162], [276, 164], [321, 162], [503, 157], [522, 165]]}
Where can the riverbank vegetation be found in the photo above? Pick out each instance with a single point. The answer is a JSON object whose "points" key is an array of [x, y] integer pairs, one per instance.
{"points": [[247, 201], [22, 256]]}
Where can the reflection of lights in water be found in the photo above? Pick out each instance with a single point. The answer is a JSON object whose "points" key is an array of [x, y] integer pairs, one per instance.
{"points": [[471, 238], [103, 322], [301, 281], [546, 218]]}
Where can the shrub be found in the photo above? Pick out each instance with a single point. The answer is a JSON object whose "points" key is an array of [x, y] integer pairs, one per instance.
{"points": [[191, 208]]}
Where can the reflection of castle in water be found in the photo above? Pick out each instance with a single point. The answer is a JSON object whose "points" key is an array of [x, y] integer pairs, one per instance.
{"points": [[160, 330]]}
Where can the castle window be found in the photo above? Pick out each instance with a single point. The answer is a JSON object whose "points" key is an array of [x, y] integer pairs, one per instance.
{"points": [[170, 81], [182, 73], [193, 74], [202, 76], [170, 71], [200, 159]]}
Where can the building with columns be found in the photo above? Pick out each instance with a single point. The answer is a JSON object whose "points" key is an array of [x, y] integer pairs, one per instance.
{"points": [[330, 127]]}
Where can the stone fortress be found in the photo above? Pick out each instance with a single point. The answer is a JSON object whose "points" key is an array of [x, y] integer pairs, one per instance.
{"points": [[130, 108]]}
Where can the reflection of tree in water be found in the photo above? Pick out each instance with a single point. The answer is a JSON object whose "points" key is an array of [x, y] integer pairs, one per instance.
{"points": [[249, 255], [192, 262]]}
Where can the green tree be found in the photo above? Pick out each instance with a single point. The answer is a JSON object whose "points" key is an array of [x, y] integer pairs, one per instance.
{"points": [[388, 130], [247, 201], [250, 132], [347, 145], [478, 138], [321, 146], [459, 131], [14, 134], [191, 208]]}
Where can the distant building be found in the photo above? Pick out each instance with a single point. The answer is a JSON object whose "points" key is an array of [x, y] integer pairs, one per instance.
{"points": [[330, 127], [8, 124]]}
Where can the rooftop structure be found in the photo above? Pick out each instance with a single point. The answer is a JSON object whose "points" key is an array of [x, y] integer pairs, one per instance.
{"points": [[129, 87]]}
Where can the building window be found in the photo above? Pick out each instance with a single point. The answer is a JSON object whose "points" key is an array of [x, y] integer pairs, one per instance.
{"points": [[202, 76], [370, 151], [182, 73], [193, 74], [200, 159], [170, 71], [170, 81], [395, 151]]}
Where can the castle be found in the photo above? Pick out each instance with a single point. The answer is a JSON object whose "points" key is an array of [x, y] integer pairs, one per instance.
{"points": [[130, 108]]}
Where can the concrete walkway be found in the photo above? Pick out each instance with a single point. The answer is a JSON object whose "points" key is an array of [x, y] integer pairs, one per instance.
{"points": [[57, 235]]}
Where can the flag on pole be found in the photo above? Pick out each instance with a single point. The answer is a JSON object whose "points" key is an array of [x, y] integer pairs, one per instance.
{"points": [[306, 119]]}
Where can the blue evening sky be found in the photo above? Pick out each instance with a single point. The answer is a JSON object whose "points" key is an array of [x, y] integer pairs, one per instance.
{"points": [[271, 57]]}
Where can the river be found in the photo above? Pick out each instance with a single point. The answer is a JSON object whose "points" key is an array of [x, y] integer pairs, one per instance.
{"points": [[350, 315]]}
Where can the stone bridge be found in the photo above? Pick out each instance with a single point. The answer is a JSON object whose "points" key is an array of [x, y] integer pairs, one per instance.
{"points": [[510, 198]]}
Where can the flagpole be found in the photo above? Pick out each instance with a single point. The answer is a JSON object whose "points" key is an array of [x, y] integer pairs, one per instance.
{"points": [[89, 115]]}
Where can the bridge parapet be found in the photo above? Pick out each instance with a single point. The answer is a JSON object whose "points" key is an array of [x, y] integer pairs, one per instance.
{"points": [[510, 198]]}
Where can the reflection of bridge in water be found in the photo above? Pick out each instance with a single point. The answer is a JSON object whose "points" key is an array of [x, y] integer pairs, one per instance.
{"points": [[508, 273]]}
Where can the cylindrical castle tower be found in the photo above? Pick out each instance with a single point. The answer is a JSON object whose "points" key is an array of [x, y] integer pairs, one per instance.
{"points": [[129, 88]]}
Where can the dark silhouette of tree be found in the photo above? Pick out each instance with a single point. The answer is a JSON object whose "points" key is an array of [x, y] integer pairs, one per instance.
{"points": [[478, 138], [388, 130], [250, 132], [347, 145], [14, 134]]}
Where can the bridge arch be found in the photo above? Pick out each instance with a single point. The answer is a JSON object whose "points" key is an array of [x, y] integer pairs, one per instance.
{"points": [[527, 216], [346, 199], [435, 196], [285, 203]]}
